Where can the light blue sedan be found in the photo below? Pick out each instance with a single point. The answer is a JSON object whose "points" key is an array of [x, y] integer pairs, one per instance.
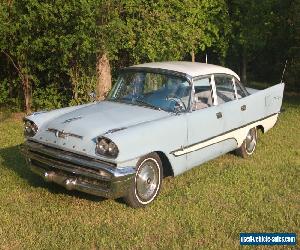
{"points": [[160, 119]]}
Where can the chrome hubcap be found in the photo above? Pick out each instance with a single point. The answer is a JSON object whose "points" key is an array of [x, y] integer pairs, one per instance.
{"points": [[251, 141], [147, 180]]}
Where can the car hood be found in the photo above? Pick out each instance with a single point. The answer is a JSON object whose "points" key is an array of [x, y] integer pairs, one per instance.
{"points": [[103, 117]]}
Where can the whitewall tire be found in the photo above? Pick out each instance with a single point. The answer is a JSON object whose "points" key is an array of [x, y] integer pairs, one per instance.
{"points": [[249, 145], [147, 182]]}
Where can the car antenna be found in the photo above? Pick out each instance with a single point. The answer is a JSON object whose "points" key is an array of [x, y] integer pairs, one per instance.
{"points": [[206, 58], [283, 71]]}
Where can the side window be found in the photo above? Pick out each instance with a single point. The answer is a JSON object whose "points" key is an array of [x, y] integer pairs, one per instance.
{"points": [[203, 93], [241, 91], [225, 89]]}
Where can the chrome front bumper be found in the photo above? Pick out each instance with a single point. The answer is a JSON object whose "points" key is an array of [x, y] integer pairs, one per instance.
{"points": [[77, 172]]}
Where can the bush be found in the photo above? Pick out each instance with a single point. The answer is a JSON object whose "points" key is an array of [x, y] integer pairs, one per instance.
{"points": [[15, 103], [4, 92], [84, 86], [48, 98]]}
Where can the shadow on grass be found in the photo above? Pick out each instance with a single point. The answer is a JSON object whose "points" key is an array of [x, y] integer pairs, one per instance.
{"points": [[14, 160], [291, 99]]}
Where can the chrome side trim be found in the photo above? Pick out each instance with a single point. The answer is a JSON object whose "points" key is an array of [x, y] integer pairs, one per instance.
{"points": [[213, 140], [72, 119], [114, 130], [158, 71]]}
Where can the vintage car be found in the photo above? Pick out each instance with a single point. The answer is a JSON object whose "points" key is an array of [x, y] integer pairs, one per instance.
{"points": [[160, 119]]}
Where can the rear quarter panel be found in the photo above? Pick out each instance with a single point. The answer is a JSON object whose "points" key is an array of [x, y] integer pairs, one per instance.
{"points": [[263, 107], [263, 103]]}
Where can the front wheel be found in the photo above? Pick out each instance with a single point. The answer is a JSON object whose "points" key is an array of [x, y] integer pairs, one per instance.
{"points": [[249, 144], [147, 182]]}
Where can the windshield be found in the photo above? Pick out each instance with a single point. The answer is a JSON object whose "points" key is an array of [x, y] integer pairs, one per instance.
{"points": [[159, 91]]}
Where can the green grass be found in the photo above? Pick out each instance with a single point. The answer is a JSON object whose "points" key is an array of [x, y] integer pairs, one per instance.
{"points": [[205, 208]]}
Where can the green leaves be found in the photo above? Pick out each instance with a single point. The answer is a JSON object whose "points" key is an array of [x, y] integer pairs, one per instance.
{"points": [[51, 40], [252, 21], [169, 30]]}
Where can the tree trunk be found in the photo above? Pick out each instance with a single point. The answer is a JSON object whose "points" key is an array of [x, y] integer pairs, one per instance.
{"points": [[25, 82], [10, 81], [10, 87], [74, 74], [244, 67], [27, 93], [193, 56], [103, 77]]}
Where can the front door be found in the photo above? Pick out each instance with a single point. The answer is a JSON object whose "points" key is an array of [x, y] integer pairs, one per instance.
{"points": [[209, 125]]}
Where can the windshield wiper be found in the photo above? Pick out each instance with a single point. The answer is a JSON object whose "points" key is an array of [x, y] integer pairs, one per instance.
{"points": [[147, 104], [130, 101], [123, 100]]}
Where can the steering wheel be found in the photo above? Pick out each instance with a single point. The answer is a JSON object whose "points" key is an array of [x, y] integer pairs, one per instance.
{"points": [[178, 101]]}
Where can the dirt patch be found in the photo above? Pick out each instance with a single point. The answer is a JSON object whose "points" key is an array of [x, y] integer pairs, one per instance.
{"points": [[18, 116], [5, 115]]}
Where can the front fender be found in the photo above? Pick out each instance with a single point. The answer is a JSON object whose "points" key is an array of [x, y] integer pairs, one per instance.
{"points": [[43, 117], [163, 135]]}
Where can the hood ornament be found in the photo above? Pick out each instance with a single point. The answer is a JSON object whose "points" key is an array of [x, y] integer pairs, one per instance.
{"points": [[62, 134]]}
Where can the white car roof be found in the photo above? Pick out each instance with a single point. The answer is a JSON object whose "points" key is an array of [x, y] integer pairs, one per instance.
{"points": [[189, 68]]}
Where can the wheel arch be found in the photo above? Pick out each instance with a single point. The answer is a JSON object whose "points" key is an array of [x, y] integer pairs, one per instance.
{"points": [[261, 128], [167, 167]]}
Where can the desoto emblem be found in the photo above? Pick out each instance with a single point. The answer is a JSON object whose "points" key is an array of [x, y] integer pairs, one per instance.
{"points": [[61, 134]]}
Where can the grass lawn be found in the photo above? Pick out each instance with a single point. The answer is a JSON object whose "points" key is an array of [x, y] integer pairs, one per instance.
{"points": [[205, 208]]}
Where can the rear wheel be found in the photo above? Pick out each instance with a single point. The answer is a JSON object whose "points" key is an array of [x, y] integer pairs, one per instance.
{"points": [[147, 182], [249, 144]]}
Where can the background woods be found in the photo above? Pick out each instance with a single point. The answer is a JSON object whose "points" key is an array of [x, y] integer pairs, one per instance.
{"points": [[53, 53]]}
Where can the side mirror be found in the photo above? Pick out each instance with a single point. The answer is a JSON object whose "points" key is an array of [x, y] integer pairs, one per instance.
{"points": [[178, 108]]}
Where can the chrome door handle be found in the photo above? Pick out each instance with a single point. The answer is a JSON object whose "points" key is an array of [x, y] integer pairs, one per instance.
{"points": [[243, 108], [219, 115]]}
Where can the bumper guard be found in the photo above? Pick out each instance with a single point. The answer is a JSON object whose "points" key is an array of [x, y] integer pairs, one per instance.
{"points": [[76, 172]]}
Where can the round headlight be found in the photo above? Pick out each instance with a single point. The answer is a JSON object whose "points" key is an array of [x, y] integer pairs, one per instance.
{"points": [[30, 128], [106, 147], [102, 146], [113, 149]]}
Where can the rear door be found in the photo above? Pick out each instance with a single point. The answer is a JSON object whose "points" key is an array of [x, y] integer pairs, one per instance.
{"points": [[216, 114], [227, 98]]}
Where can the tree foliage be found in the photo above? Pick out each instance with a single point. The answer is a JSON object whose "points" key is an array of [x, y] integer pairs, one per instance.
{"points": [[51, 50], [168, 30], [261, 37], [294, 45]]}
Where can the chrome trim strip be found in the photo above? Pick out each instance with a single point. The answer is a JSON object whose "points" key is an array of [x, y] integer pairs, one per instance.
{"points": [[62, 133], [106, 161], [64, 156], [158, 71], [72, 119], [65, 166], [211, 141], [114, 130]]}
